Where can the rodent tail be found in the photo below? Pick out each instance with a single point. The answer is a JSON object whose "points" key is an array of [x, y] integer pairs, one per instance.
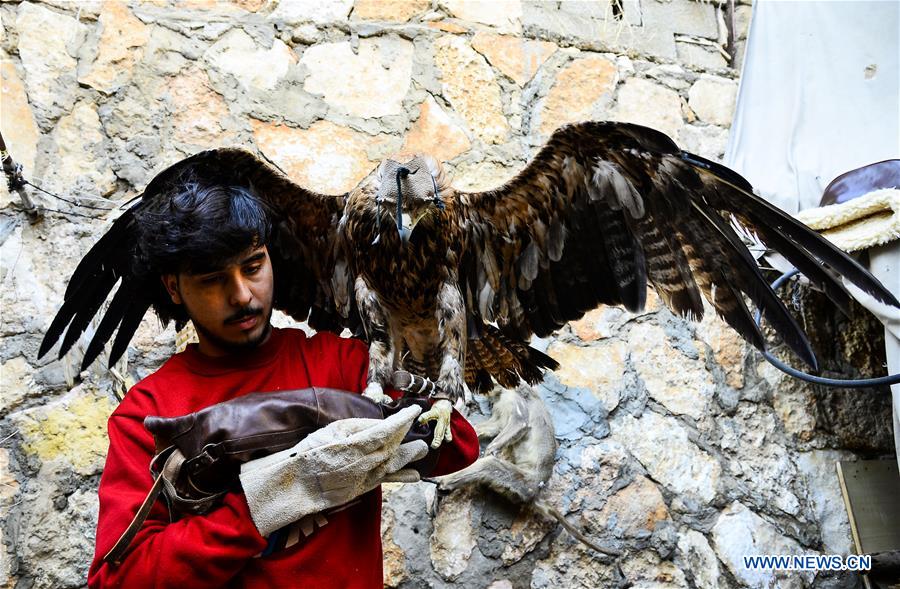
{"points": [[549, 511]]}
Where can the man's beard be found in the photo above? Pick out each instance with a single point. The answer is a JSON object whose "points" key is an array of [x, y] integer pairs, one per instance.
{"points": [[237, 347]]}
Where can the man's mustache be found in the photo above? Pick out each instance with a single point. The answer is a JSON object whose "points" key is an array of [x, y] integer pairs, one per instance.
{"points": [[243, 313]]}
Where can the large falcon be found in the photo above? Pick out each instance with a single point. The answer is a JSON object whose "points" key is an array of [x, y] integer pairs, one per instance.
{"points": [[452, 285]]}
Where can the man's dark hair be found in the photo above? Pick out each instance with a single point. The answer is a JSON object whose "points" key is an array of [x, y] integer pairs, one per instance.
{"points": [[197, 227]]}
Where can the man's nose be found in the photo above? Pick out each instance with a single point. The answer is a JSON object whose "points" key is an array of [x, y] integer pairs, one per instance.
{"points": [[240, 295]]}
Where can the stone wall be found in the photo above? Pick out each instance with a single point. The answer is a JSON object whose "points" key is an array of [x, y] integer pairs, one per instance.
{"points": [[677, 444]]}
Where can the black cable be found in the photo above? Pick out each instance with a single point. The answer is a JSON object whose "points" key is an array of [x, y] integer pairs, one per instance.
{"points": [[45, 209], [71, 202], [891, 379]]}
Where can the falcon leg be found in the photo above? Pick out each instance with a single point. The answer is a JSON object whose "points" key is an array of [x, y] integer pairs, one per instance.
{"points": [[451, 320], [381, 352]]}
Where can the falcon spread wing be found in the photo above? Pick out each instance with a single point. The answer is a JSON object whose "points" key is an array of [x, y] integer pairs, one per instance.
{"points": [[303, 253], [606, 207], [601, 210]]}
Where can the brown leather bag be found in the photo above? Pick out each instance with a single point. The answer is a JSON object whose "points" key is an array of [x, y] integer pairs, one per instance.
{"points": [[198, 456]]}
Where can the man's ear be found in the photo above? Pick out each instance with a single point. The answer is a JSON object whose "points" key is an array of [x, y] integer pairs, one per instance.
{"points": [[170, 281]]}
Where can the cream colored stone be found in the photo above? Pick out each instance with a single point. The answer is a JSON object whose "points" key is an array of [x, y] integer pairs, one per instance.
{"points": [[647, 571], [197, 110], [249, 5], [713, 99], [369, 83], [49, 69], [597, 324], [469, 84], [501, 584], [16, 122], [794, 403], [389, 10], [326, 157], [527, 531], [88, 8], [505, 15], [453, 538], [317, 11], [634, 510], [9, 486], [16, 383], [663, 447], [603, 465], [708, 141], [571, 565], [255, 68], [727, 347], [519, 59], [119, 47], [646, 103], [695, 554], [739, 532], [393, 557], [72, 428], [606, 321], [435, 133], [486, 175], [581, 92], [447, 27], [79, 138], [598, 368], [7, 579], [28, 298], [682, 385]]}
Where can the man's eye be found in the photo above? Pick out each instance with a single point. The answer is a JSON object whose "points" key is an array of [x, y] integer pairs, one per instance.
{"points": [[253, 269], [211, 280]]}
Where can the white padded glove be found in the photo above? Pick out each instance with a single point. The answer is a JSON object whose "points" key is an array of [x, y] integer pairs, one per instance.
{"points": [[330, 467]]}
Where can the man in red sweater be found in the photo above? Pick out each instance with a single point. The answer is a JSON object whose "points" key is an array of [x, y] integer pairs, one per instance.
{"points": [[212, 256]]}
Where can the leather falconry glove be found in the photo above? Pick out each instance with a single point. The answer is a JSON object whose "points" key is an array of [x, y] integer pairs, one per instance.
{"points": [[330, 467]]}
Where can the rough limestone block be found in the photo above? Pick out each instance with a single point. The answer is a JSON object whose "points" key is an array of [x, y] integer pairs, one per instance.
{"points": [[471, 87], [713, 99], [582, 91], [647, 103], [436, 133], [517, 58], [48, 65], [326, 157], [119, 48], [662, 446], [384, 62]]}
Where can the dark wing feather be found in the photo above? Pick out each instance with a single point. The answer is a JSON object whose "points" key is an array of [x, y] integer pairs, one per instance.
{"points": [[304, 251], [606, 207]]}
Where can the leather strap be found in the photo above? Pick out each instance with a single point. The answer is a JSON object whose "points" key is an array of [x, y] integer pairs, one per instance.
{"points": [[169, 471]]}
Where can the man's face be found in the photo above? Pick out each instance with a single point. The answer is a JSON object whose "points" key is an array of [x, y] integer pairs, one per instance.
{"points": [[231, 306]]}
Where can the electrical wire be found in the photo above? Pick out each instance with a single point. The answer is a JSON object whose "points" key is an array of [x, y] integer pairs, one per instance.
{"points": [[72, 202], [69, 213], [891, 379]]}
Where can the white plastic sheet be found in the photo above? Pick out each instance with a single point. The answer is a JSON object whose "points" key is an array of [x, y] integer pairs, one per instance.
{"points": [[819, 95]]}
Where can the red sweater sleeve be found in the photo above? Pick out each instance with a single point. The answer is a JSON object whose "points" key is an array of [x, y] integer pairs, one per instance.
{"points": [[455, 455], [196, 551]]}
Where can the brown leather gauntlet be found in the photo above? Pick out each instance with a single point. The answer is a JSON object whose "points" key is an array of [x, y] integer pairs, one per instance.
{"points": [[199, 455]]}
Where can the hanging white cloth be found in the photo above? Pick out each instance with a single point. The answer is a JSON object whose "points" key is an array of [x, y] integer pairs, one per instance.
{"points": [[819, 95]]}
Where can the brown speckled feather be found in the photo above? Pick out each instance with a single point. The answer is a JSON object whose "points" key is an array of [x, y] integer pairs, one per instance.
{"points": [[606, 207]]}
